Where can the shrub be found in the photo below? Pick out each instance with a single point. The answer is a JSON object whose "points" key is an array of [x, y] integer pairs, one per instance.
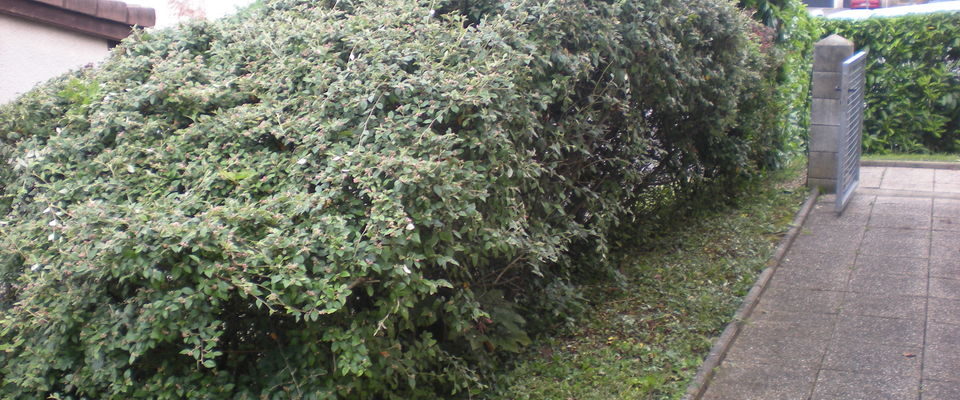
{"points": [[348, 200], [782, 115], [913, 81]]}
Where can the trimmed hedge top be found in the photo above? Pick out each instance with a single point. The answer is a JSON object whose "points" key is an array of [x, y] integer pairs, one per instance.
{"points": [[348, 200]]}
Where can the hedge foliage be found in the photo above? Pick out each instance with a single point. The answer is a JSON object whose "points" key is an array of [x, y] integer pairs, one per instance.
{"points": [[791, 33], [913, 81], [370, 200]]}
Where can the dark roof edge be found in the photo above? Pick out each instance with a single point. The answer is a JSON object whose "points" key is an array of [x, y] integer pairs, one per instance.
{"points": [[101, 18], [112, 10]]}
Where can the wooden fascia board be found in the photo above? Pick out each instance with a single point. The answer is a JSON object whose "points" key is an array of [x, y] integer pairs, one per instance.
{"points": [[65, 19]]}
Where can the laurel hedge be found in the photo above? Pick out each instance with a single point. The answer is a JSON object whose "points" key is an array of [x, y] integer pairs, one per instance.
{"points": [[366, 200], [913, 81]]}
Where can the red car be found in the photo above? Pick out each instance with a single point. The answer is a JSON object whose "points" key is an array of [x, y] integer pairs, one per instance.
{"points": [[865, 4]]}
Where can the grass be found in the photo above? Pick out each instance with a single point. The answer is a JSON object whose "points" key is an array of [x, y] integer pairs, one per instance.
{"points": [[948, 157], [647, 333]]}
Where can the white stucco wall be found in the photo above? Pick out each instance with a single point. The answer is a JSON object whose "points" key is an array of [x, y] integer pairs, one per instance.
{"points": [[32, 52]]}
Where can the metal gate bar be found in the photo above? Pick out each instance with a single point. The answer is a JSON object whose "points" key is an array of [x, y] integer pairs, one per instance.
{"points": [[852, 80]]}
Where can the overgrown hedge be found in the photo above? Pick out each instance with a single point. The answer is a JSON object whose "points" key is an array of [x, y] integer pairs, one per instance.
{"points": [[913, 81], [372, 199]]}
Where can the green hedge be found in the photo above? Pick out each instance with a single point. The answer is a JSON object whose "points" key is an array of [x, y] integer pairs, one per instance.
{"points": [[913, 81], [792, 32], [371, 200]]}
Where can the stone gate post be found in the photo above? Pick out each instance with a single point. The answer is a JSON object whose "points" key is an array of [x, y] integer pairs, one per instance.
{"points": [[825, 111]]}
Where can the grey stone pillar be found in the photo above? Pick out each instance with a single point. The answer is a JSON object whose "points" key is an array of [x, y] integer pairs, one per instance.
{"points": [[828, 55]]}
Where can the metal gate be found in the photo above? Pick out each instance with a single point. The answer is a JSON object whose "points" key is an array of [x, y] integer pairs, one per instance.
{"points": [[852, 81]]}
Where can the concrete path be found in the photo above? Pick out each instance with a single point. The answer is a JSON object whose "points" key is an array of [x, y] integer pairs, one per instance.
{"points": [[864, 306]]}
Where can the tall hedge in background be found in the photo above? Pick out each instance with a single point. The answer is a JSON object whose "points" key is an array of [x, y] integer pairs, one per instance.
{"points": [[350, 200], [913, 81]]}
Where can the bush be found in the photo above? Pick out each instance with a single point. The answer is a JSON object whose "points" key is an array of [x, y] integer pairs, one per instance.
{"points": [[782, 115], [913, 81], [349, 200]]}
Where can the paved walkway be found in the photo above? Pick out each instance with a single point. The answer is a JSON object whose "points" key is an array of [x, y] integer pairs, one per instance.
{"points": [[864, 306]]}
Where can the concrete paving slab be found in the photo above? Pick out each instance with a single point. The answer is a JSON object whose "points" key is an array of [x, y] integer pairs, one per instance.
{"points": [[868, 264], [751, 381], [850, 354], [845, 385], [895, 173], [861, 202], [888, 197], [896, 243], [946, 224], [908, 179], [945, 268], [778, 299], [908, 184], [939, 390], [900, 221], [902, 205], [945, 245], [884, 305], [806, 325], [830, 217], [825, 278], [940, 363], [941, 333], [945, 288], [887, 331], [922, 180], [943, 311], [858, 203], [764, 345], [944, 251], [946, 238], [946, 176], [844, 261], [784, 339], [946, 207], [887, 284], [841, 239], [871, 177], [942, 352], [787, 351], [947, 187]]}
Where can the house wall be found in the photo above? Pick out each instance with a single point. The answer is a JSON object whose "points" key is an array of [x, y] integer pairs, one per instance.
{"points": [[31, 53]]}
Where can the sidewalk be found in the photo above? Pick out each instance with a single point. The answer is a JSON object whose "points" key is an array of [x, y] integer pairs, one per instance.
{"points": [[864, 306]]}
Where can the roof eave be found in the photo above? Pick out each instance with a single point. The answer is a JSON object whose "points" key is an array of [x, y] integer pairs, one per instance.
{"points": [[64, 18]]}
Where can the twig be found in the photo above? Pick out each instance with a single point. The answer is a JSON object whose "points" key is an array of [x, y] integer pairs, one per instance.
{"points": [[380, 324]]}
